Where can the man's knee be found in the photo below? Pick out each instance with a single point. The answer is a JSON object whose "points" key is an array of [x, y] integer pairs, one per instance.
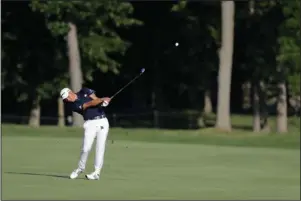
{"points": [[86, 149]]}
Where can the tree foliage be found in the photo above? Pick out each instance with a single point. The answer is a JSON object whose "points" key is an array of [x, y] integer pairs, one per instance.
{"points": [[29, 54], [35, 57], [200, 57], [97, 23], [289, 42]]}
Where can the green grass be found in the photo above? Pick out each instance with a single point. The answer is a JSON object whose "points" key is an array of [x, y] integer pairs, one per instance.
{"points": [[151, 164], [204, 136]]}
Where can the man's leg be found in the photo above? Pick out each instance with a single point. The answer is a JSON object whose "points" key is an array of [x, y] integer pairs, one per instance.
{"points": [[88, 139], [100, 148], [90, 134]]}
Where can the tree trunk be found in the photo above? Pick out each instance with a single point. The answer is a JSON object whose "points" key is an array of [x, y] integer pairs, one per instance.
{"points": [[61, 112], [247, 95], [265, 126], [294, 103], [207, 102], [223, 121], [35, 112], [256, 108], [76, 78], [282, 108]]}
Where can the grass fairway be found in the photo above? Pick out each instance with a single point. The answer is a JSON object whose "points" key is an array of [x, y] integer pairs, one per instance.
{"points": [[36, 164]]}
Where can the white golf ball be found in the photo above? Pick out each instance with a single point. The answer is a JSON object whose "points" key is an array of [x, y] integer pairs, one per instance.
{"points": [[176, 44]]}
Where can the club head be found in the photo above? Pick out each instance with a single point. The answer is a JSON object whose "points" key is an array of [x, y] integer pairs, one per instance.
{"points": [[142, 70]]}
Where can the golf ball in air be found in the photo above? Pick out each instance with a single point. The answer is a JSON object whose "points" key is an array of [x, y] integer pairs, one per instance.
{"points": [[176, 44]]}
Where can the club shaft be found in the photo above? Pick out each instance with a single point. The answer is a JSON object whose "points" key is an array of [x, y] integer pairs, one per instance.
{"points": [[126, 85]]}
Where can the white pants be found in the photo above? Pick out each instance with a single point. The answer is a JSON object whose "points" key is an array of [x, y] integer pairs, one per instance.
{"points": [[98, 129]]}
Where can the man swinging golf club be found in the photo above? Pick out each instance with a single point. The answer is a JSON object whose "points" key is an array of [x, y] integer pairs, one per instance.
{"points": [[96, 125]]}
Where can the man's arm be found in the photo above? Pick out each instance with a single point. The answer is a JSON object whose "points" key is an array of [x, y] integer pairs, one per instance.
{"points": [[93, 96], [93, 103], [95, 100]]}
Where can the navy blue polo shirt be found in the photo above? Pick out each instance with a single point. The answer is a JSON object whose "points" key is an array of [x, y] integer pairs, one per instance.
{"points": [[83, 96]]}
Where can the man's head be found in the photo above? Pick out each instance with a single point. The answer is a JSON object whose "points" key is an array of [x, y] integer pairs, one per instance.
{"points": [[68, 95]]}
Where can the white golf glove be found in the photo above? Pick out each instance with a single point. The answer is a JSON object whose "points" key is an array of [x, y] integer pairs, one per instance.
{"points": [[104, 104]]}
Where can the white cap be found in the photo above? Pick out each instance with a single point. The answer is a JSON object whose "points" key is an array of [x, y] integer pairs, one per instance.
{"points": [[65, 93]]}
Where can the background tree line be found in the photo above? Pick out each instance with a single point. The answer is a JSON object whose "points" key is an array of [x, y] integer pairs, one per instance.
{"points": [[233, 57]]}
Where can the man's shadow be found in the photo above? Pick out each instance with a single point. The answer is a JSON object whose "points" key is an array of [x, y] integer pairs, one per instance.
{"points": [[41, 174]]}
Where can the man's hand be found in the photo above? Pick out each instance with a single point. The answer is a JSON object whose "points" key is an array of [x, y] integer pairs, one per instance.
{"points": [[106, 101]]}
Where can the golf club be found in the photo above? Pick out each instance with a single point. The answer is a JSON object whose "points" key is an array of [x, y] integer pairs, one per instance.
{"points": [[120, 90]]}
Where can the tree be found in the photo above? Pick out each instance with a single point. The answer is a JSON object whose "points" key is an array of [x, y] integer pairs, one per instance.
{"points": [[200, 40], [225, 69], [258, 63], [288, 59], [92, 28], [27, 63], [255, 84], [97, 24], [75, 71]]}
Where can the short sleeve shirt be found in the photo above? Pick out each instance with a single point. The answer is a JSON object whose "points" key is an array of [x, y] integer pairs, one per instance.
{"points": [[84, 97]]}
